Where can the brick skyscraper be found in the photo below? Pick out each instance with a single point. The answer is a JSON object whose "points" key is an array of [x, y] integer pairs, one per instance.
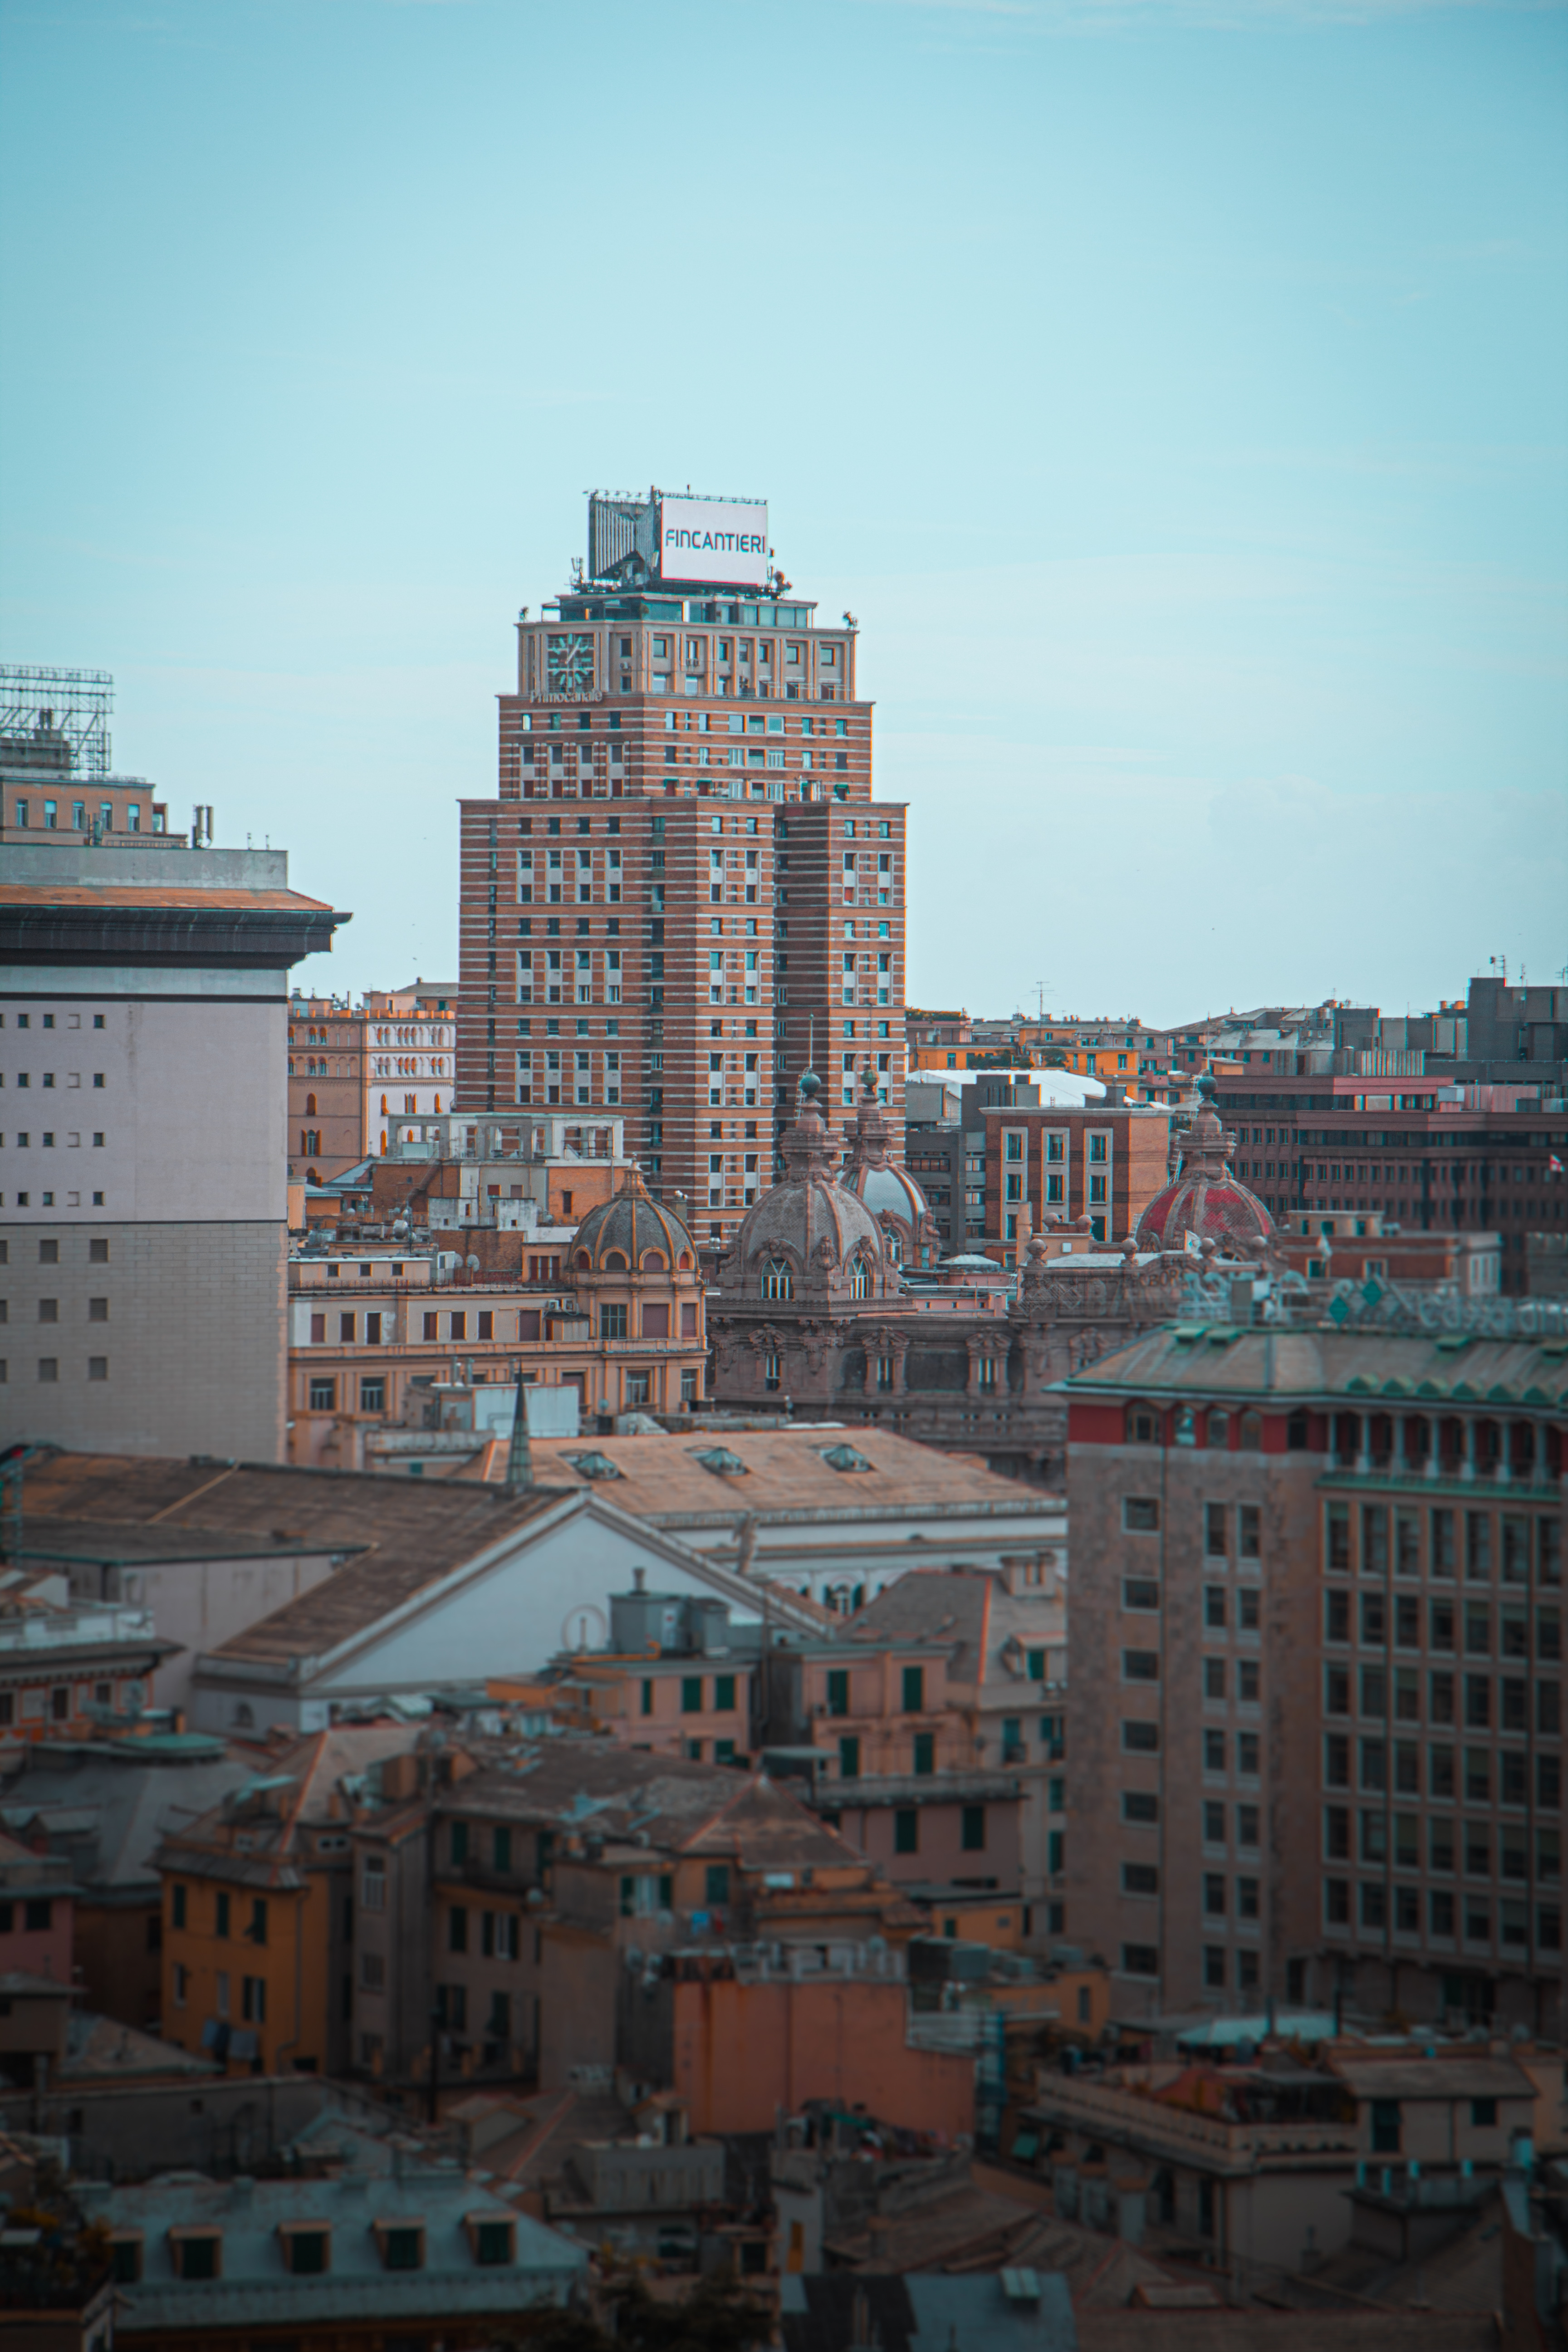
{"points": [[683, 888]]}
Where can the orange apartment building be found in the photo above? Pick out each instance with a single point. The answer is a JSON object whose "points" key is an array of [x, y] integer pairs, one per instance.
{"points": [[258, 1930], [684, 888]]}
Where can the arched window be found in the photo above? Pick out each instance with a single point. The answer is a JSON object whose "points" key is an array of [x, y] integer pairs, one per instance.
{"points": [[583, 1260], [243, 1715], [1252, 1432], [778, 1282], [861, 1280], [383, 1114], [653, 1262], [1219, 1429], [684, 1262], [615, 1262], [1186, 1431], [311, 1107]]}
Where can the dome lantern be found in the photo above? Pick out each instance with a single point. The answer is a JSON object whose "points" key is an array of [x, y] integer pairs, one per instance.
{"points": [[1205, 1200]]}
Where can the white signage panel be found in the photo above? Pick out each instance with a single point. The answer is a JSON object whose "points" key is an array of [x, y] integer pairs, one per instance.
{"points": [[714, 538]]}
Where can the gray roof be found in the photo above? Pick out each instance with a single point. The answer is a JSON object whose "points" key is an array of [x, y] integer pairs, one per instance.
{"points": [[938, 1605], [1435, 2078], [927, 2311], [623, 1794], [1222, 1359], [257, 2288], [106, 1810]]}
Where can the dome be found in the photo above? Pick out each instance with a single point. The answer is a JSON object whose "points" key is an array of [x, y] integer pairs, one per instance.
{"points": [[888, 1190], [1205, 1200], [626, 1227], [811, 1236]]}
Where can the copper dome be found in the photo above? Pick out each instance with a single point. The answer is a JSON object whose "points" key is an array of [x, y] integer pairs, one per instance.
{"points": [[1205, 1200], [627, 1226]]}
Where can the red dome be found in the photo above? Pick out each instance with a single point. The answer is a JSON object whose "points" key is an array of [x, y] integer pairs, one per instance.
{"points": [[1205, 1199]]}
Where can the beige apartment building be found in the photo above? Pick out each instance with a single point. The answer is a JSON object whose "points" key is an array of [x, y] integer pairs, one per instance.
{"points": [[387, 1341], [1315, 1733]]}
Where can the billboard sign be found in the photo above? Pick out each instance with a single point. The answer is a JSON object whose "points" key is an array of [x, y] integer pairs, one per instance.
{"points": [[723, 541]]}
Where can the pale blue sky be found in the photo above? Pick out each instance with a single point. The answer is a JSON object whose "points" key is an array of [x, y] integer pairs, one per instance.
{"points": [[1178, 393]]}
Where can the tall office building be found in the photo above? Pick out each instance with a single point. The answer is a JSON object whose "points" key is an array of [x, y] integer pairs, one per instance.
{"points": [[143, 1234], [683, 892]]}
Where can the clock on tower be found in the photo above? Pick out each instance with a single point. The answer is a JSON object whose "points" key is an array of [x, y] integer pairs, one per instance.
{"points": [[571, 663]]}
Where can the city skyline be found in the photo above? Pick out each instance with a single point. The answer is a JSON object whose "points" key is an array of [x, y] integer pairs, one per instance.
{"points": [[1175, 406]]}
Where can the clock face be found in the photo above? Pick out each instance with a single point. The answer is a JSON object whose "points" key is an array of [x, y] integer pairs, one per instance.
{"points": [[571, 664]]}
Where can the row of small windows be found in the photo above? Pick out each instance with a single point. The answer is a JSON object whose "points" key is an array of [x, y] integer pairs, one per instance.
{"points": [[1476, 1776], [1447, 1845]]}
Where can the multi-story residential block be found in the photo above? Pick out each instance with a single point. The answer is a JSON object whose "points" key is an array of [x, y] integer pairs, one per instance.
{"points": [[1246, 2162], [684, 890], [95, 1803], [676, 1678], [1315, 1649], [496, 1177], [941, 1716], [353, 1070], [258, 1945], [1057, 1164], [64, 1664], [142, 1171], [37, 1902], [550, 1866], [612, 1308]]}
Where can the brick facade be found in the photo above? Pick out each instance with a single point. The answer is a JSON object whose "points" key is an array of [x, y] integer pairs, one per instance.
{"points": [[683, 890], [1315, 1641]]}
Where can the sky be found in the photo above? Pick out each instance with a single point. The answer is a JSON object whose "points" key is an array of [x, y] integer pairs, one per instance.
{"points": [[1176, 391]]}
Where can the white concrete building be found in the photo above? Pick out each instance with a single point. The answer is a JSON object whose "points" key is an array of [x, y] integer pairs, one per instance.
{"points": [[142, 1092]]}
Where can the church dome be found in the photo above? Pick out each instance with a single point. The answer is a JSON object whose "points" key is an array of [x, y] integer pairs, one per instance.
{"points": [[631, 1231], [887, 1190], [1205, 1200], [811, 1236]]}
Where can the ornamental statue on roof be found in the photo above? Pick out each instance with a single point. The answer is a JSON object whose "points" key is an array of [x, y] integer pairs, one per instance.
{"points": [[1205, 1199]]}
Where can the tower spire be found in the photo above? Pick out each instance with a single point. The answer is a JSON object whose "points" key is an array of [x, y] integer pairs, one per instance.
{"points": [[519, 1460]]}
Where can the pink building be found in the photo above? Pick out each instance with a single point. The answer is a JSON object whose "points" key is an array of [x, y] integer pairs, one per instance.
{"points": [[36, 1905]]}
